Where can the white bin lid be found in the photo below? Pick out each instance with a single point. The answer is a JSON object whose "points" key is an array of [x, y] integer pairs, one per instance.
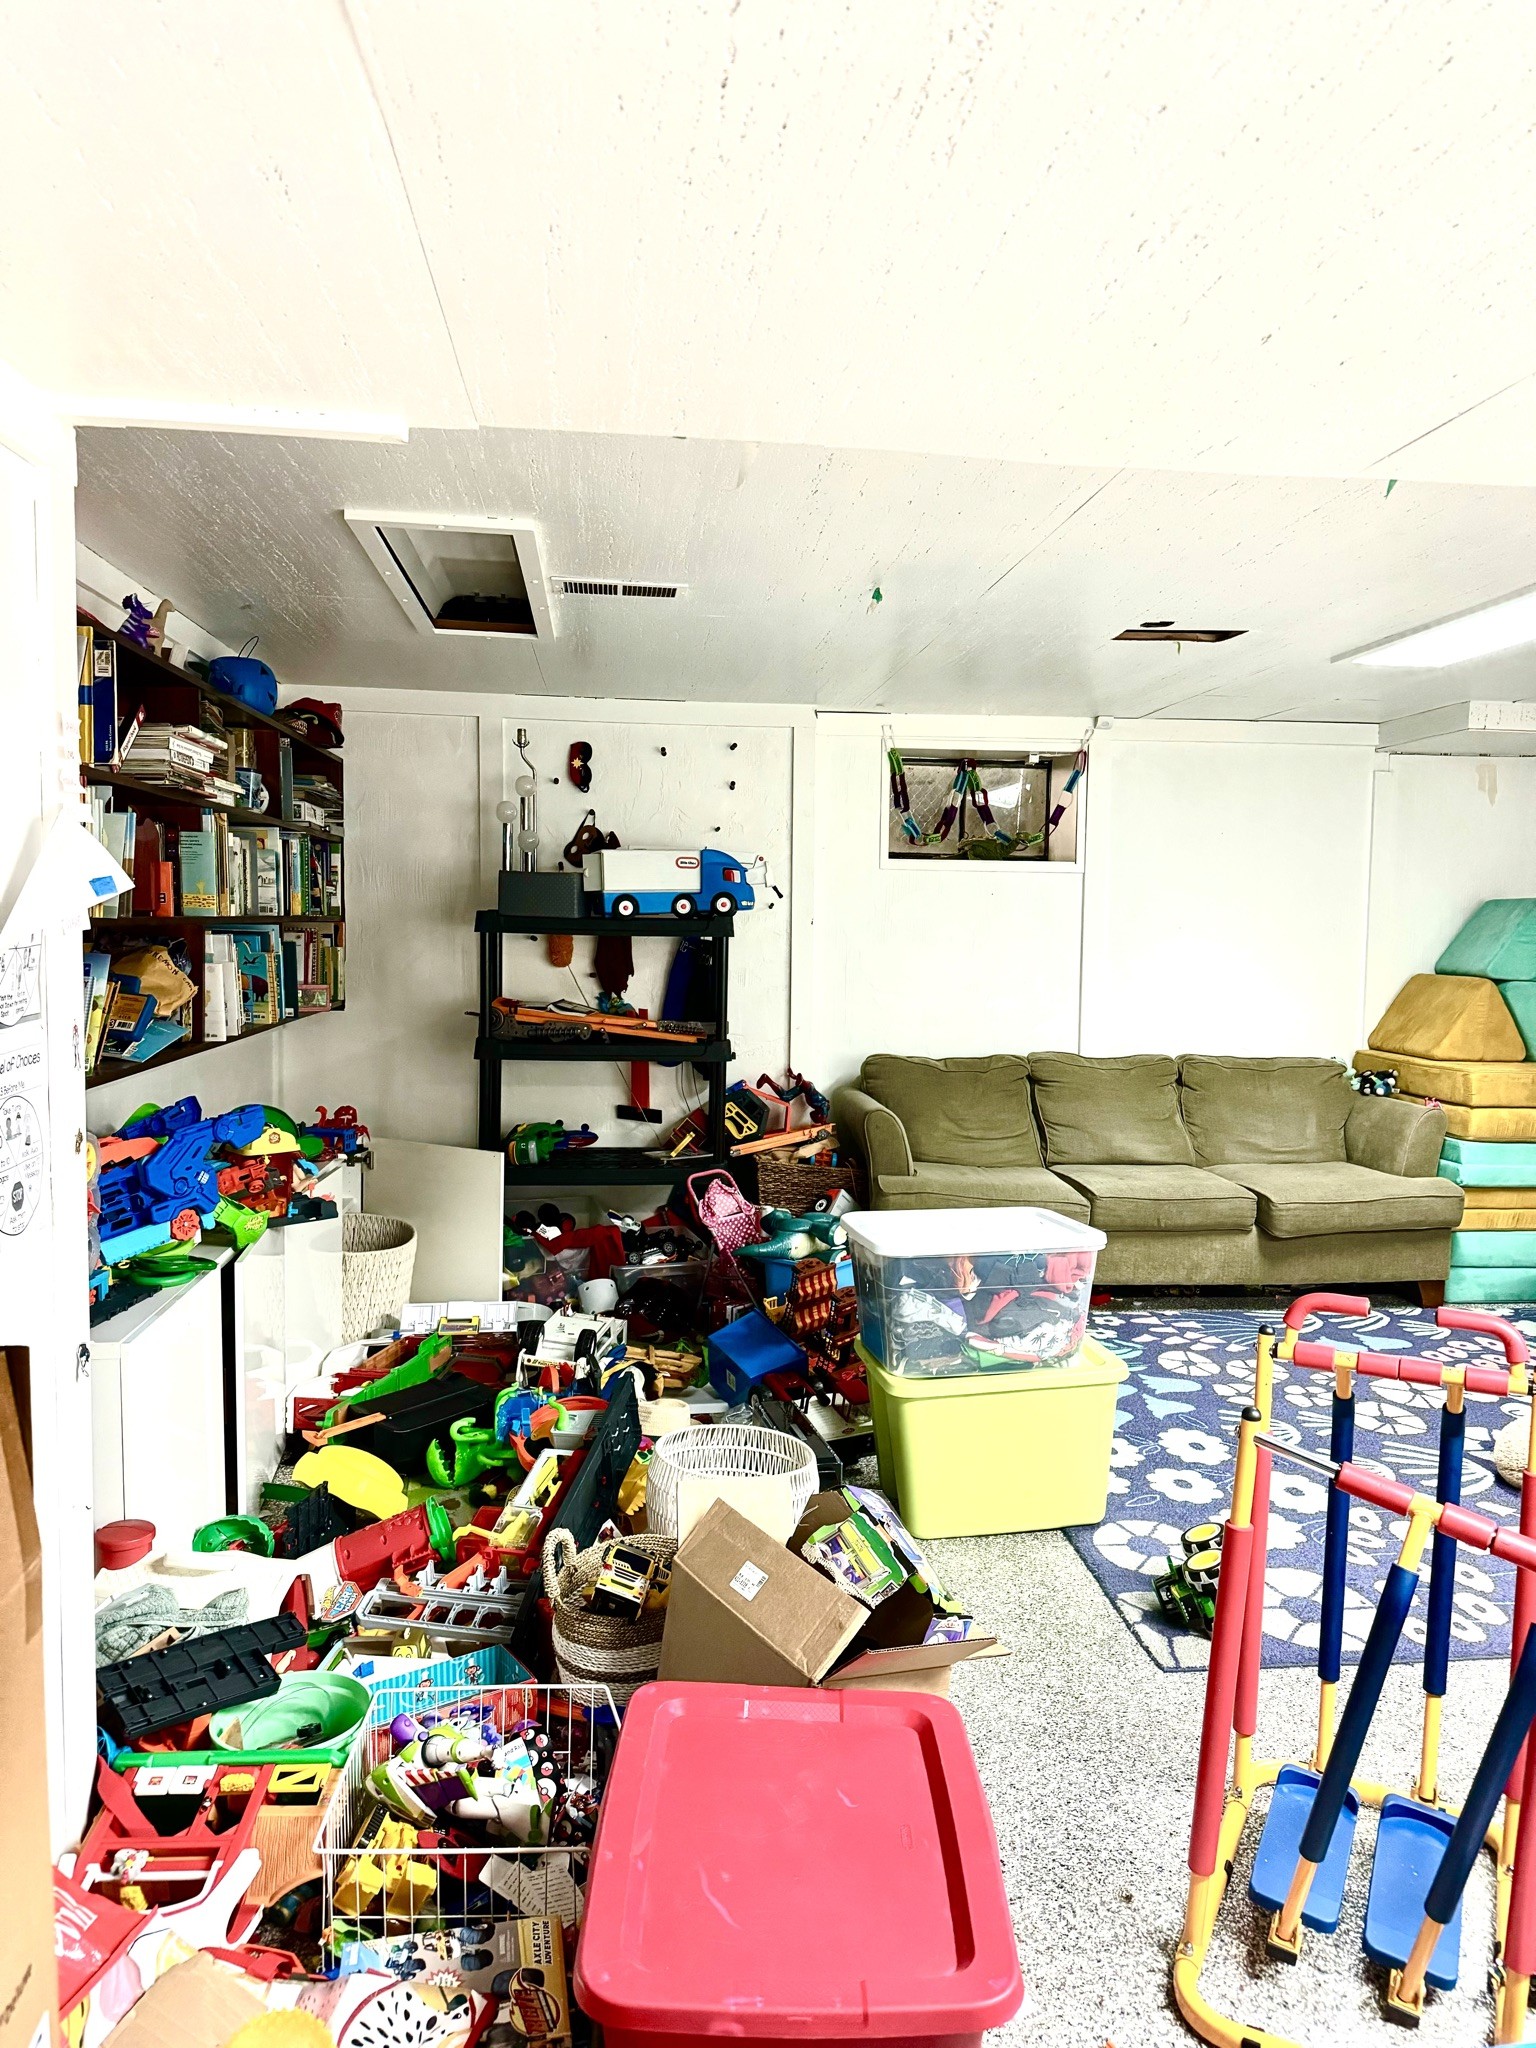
{"points": [[941, 1233]]}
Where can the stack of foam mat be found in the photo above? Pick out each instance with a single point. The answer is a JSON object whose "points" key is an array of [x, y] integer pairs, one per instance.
{"points": [[1465, 1037]]}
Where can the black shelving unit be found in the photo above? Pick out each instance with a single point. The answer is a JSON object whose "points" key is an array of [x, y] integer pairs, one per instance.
{"points": [[599, 1163]]}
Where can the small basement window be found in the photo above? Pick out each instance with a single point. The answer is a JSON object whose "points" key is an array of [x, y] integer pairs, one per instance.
{"points": [[995, 807], [452, 573]]}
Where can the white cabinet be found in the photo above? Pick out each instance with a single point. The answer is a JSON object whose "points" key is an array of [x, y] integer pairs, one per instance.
{"points": [[157, 1410]]}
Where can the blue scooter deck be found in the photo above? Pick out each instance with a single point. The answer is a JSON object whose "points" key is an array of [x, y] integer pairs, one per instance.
{"points": [[1274, 1863], [1410, 1841]]}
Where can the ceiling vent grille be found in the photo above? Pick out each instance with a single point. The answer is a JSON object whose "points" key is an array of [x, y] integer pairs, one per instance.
{"points": [[612, 586]]}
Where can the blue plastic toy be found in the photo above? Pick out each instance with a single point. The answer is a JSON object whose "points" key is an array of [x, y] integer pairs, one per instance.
{"points": [[173, 1192]]}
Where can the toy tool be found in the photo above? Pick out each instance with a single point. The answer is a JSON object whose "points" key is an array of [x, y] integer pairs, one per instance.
{"points": [[1426, 1842]]}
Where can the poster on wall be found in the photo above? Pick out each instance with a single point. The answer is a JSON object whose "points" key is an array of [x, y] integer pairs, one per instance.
{"points": [[22, 1121]]}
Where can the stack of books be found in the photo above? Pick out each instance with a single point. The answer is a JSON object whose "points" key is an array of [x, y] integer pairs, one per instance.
{"points": [[315, 801], [182, 757]]}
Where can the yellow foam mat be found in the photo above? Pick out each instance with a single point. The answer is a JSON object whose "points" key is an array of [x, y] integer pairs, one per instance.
{"points": [[1500, 1198], [1499, 1219], [1449, 1017], [1514, 1126], [1479, 1084]]}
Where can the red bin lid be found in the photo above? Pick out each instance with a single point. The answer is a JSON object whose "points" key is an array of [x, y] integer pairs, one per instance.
{"points": [[120, 1544], [778, 1862]]}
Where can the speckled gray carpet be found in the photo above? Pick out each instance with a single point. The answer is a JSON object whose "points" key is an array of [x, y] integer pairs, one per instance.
{"points": [[1088, 1757]]}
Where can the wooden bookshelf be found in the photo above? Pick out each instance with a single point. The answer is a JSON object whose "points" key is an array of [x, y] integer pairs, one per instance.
{"points": [[279, 751]]}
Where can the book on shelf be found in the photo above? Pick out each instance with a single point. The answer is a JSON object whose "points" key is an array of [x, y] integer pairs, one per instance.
{"points": [[103, 701], [198, 861], [98, 978], [84, 647], [258, 957]]}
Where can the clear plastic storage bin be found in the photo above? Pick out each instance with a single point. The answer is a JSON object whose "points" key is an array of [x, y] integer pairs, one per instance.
{"points": [[946, 1291]]}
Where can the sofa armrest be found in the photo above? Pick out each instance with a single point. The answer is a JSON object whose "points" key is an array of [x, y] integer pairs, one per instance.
{"points": [[1393, 1136], [873, 1132]]}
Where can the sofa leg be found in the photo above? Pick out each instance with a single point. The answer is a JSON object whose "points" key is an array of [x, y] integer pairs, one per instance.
{"points": [[1431, 1293]]}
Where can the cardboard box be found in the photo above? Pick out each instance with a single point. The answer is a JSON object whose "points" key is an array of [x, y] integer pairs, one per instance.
{"points": [[890, 1653], [28, 1978], [744, 1609]]}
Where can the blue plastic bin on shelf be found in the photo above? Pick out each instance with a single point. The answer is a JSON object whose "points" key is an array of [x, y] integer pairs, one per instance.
{"points": [[746, 1351]]}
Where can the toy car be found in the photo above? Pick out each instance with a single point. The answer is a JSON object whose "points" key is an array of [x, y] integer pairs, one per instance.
{"points": [[1186, 1592]]}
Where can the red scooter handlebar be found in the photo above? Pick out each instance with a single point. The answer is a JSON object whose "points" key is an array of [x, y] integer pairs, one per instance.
{"points": [[1325, 1305], [1516, 1350]]}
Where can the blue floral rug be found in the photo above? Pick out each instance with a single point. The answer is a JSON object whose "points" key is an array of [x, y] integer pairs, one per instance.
{"points": [[1175, 1431]]}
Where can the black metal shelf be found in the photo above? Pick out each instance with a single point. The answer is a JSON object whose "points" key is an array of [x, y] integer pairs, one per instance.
{"points": [[655, 1052], [600, 1163], [604, 1163], [511, 925]]}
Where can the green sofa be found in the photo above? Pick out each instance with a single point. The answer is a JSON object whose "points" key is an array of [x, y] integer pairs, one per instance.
{"points": [[1201, 1171]]}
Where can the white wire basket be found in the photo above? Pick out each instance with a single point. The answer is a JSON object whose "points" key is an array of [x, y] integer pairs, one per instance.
{"points": [[726, 1451], [383, 1902]]}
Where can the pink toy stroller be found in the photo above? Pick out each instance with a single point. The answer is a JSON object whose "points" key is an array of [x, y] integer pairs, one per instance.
{"points": [[729, 1221]]}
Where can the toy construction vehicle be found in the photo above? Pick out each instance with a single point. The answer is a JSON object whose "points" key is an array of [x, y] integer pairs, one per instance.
{"points": [[1186, 1592]]}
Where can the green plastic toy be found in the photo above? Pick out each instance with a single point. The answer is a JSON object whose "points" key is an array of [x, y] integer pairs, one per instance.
{"points": [[432, 1353], [468, 1450], [236, 1532], [243, 1225]]}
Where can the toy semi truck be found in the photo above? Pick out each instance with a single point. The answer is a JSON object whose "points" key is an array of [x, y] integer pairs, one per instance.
{"points": [[709, 883]]}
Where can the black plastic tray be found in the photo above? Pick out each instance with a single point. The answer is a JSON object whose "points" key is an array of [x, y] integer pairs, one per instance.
{"points": [[143, 1694]]}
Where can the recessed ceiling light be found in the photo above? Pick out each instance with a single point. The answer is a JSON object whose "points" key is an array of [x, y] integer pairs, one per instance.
{"points": [[1489, 629], [1159, 630]]}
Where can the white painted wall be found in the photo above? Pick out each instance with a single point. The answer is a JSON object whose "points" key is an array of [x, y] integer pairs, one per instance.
{"points": [[1448, 833], [42, 1295], [1226, 889], [945, 959]]}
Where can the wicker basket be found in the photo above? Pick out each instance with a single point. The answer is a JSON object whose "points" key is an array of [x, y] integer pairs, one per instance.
{"points": [[798, 1187], [726, 1450], [600, 1649], [378, 1254]]}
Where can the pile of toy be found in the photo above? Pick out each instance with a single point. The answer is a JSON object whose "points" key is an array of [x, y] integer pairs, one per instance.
{"points": [[168, 1178]]}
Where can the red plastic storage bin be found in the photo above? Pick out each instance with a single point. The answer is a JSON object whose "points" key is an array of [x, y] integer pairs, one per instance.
{"points": [[795, 1866]]}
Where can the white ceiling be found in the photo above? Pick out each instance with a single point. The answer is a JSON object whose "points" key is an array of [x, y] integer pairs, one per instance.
{"points": [[1198, 235], [1130, 286], [1003, 584]]}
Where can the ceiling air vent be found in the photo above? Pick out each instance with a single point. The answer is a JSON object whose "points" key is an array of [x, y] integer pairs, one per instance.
{"points": [[612, 586], [1165, 629], [457, 573]]}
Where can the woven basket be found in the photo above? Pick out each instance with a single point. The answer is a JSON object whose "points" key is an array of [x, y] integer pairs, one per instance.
{"points": [[600, 1649], [378, 1254], [789, 1184], [726, 1450]]}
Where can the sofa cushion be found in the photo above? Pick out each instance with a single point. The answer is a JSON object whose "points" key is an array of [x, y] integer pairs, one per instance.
{"points": [[1449, 1017], [1478, 1084], [1486, 1126], [1110, 1112], [1161, 1198], [1287, 1110], [932, 1186], [1321, 1198], [966, 1112]]}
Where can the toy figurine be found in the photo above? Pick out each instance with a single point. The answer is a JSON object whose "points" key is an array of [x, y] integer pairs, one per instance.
{"points": [[137, 620]]}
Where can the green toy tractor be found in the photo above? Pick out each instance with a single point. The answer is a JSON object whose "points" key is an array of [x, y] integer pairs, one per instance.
{"points": [[1186, 1592]]}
